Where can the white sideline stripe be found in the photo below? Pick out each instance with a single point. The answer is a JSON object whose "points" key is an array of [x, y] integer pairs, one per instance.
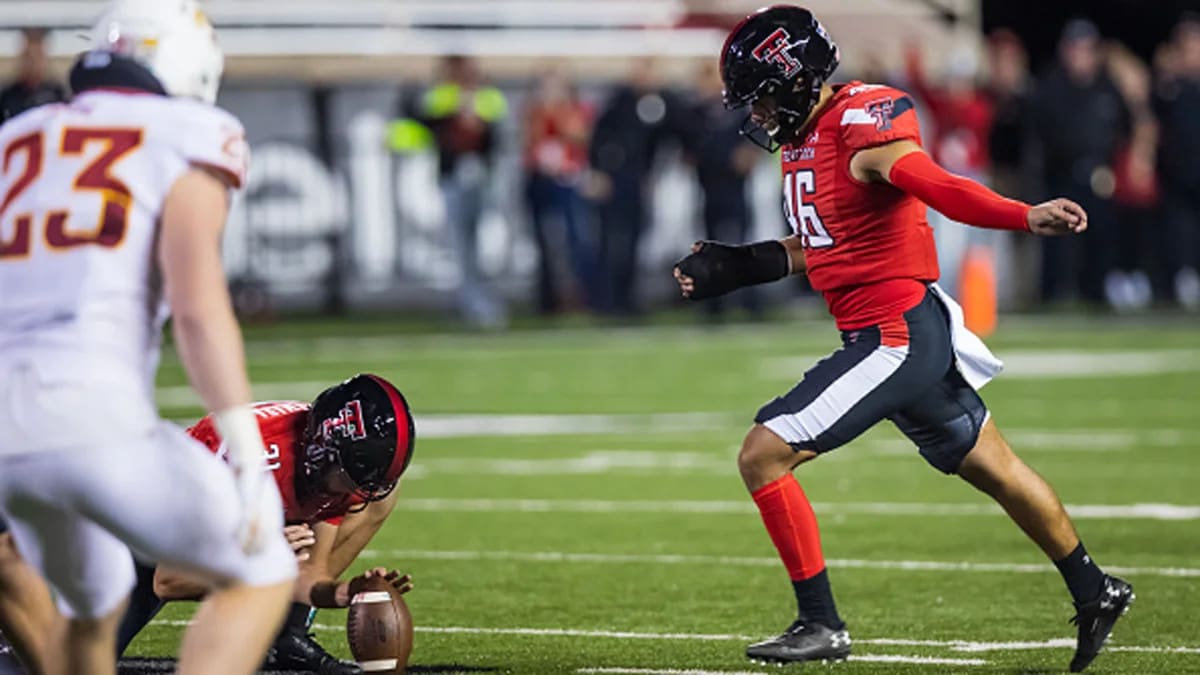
{"points": [[956, 645], [762, 561], [1168, 512]]}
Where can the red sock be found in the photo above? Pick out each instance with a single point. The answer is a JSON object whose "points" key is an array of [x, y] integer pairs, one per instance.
{"points": [[792, 525]]}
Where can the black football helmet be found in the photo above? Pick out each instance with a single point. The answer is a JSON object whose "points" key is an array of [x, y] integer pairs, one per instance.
{"points": [[359, 432], [781, 52]]}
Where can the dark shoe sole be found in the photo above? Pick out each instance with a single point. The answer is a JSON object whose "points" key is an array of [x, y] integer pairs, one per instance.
{"points": [[780, 661]]}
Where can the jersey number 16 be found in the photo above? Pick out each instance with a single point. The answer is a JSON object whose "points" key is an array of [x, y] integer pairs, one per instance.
{"points": [[801, 215]]}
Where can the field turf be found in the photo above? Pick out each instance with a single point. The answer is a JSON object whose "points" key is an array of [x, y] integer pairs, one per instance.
{"points": [[574, 504]]}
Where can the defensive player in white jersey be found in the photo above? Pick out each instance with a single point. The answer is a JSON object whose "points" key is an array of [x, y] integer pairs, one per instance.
{"points": [[111, 213]]}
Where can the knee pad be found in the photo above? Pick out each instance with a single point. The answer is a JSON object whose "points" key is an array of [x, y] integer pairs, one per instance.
{"points": [[957, 437]]}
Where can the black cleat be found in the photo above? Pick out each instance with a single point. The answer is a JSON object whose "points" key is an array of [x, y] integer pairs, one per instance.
{"points": [[297, 650], [1096, 618], [803, 642]]}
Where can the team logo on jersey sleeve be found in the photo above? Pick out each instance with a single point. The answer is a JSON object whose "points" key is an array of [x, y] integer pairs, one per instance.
{"points": [[348, 423], [777, 49], [880, 112], [883, 110]]}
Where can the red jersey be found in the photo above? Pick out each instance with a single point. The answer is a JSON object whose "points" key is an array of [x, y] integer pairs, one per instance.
{"points": [[556, 139], [282, 426], [868, 246]]}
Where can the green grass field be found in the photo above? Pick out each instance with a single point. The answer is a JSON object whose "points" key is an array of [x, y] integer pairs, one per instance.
{"points": [[574, 504]]}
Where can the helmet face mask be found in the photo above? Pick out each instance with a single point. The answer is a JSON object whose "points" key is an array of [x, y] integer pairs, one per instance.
{"points": [[775, 118], [776, 59], [330, 483]]}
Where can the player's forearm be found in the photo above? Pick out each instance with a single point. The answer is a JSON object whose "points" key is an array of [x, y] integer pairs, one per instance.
{"points": [[170, 585], [795, 250], [356, 531], [325, 594], [210, 347], [209, 342], [206, 331], [955, 197]]}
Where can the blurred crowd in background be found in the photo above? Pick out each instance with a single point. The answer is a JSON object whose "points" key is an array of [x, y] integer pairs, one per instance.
{"points": [[1098, 125]]}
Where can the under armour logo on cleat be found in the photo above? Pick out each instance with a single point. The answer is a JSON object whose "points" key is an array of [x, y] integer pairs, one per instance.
{"points": [[840, 639]]}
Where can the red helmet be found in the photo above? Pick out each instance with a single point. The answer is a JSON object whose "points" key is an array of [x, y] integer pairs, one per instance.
{"points": [[361, 430]]}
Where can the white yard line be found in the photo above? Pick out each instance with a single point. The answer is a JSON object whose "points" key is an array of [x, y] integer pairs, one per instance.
{"points": [[761, 561], [1164, 512], [919, 660], [1044, 364], [575, 632], [185, 396], [459, 426], [467, 425], [668, 671], [594, 462], [721, 461], [953, 645], [866, 658], [1056, 643]]}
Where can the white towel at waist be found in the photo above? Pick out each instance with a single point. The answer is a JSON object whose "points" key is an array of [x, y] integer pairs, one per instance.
{"points": [[975, 361]]}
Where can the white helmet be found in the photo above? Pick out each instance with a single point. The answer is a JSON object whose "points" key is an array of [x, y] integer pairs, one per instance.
{"points": [[172, 38]]}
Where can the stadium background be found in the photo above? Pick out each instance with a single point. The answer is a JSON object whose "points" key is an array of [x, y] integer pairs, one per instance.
{"points": [[574, 504]]}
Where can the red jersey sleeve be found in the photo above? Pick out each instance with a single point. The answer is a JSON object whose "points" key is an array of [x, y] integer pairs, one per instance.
{"points": [[205, 431], [878, 115]]}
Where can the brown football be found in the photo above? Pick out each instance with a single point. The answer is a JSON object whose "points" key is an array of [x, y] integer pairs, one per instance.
{"points": [[379, 628]]}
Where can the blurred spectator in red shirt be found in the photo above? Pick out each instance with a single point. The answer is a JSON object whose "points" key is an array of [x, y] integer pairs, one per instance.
{"points": [[961, 111], [1135, 189], [962, 118], [557, 128]]}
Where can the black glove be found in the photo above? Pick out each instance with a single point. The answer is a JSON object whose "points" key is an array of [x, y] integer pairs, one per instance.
{"points": [[717, 268]]}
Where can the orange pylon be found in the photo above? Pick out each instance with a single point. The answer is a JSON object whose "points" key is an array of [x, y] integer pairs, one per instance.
{"points": [[977, 290]]}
